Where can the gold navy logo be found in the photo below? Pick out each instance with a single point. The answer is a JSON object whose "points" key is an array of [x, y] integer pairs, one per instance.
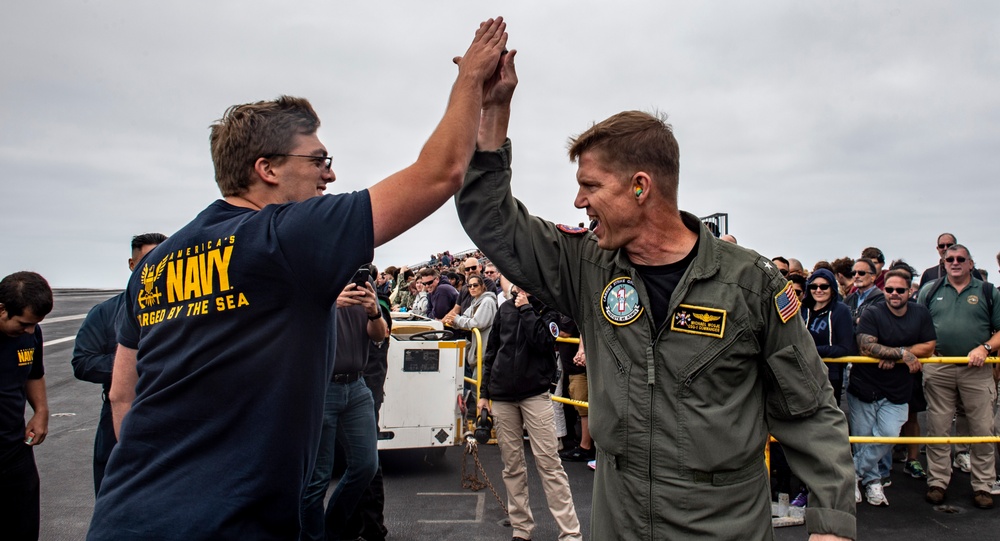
{"points": [[25, 356], [621, 301], [150, 295], [699, 320]]}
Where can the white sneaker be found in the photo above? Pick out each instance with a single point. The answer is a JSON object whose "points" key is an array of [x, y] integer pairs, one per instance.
{"points": [[857, 492], [962, 462], [995, 489], [875, 495]]}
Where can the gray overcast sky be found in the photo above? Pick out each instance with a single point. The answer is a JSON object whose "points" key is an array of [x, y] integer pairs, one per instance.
{"points": [[820, 127]]}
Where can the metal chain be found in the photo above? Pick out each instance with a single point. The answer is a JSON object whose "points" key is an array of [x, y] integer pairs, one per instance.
{"points": [[472, 482]]}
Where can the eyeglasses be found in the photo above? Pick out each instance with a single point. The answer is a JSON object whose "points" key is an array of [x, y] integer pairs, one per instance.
{"points": [[471, 269], [945, 245], [860, 273], [955, 258], [428, 283], [821, 287], [326, 162], [900, 290], [474, 284]]}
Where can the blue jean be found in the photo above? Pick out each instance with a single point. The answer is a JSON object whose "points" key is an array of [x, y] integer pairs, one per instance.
{"points": [[880, 418], [348, 414]]}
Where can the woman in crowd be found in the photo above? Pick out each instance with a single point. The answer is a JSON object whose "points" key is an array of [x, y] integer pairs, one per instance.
{"points": [[479, 315], [829, 322]]}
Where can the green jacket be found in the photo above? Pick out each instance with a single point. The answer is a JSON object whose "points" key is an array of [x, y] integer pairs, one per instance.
{"points": [[681, 415]]}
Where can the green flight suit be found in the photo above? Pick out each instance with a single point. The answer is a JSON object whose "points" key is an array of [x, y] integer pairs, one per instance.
{"points": [[679, 415]]}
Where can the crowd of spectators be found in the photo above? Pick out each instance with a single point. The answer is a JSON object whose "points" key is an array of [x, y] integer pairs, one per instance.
{"points": [[835, 295]]}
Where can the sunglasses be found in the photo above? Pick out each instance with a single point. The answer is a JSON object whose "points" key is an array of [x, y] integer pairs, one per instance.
{"points": [[945, 245], [899, 290], [955, 258], [821, 287], [783, 272], [860, 273], [797, 291], [475, 284], [427, 283], [467, 269]]}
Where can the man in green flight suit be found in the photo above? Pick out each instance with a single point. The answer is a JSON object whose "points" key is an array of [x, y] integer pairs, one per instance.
{"points": [[695, 349]]}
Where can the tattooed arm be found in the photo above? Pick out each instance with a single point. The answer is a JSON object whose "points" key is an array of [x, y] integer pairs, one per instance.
{"points": [[888, 356]]}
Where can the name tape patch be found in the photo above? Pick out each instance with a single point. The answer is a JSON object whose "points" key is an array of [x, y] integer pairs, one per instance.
{"points": [[699, 320]]}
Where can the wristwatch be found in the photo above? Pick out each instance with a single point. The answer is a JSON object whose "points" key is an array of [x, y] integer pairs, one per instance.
{"points": [[379, 314], [988, 348]]}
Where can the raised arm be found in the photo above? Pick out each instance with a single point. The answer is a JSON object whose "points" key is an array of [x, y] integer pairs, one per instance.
{"points": [[496, 105], [404, 198]]}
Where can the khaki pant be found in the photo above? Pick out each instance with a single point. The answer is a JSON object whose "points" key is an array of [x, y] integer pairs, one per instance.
{"points": [[944, 387], [534, 414]]}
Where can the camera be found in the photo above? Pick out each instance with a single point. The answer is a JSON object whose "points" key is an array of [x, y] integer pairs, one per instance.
{"points": [[484, 426], [362, 277]]}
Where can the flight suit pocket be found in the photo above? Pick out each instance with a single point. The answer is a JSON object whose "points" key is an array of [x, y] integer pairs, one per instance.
{"points": [[791, 389]]}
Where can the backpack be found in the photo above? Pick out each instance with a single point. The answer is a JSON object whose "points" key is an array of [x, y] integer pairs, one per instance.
{"points": [[987, 295]]}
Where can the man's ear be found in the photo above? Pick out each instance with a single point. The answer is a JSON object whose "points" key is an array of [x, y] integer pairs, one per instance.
{"points": [[263, 169], [641, 184]]}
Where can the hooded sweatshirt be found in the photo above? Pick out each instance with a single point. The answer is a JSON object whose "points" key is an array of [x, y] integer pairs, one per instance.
{"points": [[830, 326]]}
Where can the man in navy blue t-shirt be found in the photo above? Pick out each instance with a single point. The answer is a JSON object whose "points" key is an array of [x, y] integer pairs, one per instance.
{"points": [[25, 299], [94, 354], [226, 341]]}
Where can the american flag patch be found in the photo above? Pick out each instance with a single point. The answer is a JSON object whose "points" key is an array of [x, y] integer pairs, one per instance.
{"points": [[787, 303]]}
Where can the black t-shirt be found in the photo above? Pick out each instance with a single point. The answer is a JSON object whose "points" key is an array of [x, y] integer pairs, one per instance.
{"points": [[20, 360], [234, 320], [869, 382], [352, 340], [661, 281]]}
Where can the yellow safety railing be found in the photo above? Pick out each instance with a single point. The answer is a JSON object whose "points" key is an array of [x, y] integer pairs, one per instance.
{"points": [[478, 381], [926, 440]]}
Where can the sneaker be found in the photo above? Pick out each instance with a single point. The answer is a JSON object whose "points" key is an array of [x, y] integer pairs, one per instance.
{"points": [[592, 464], [578, 454], [857, 492], [874, 494], [982, 499], [886, 482], [801, 500], [915, 470], [935, 495], [962, 462], [995, 489]]}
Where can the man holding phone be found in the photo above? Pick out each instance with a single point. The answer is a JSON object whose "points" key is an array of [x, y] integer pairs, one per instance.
{"points": [[348, 408]]}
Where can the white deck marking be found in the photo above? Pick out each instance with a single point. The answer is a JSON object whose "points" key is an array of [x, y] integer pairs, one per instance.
{"points": [[480, 507]]}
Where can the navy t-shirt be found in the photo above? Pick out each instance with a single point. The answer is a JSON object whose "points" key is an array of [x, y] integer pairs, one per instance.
{"points": [[234, 321], [20, 360], [869, 382]]}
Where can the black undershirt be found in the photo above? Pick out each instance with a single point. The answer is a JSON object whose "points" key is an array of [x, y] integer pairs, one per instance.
{"points": [[661, 281]]}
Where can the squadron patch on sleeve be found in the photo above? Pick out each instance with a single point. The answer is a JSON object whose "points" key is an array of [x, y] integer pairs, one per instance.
{"points": [[787, 303], [570, 229], [699, 320], [621, 302]]}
